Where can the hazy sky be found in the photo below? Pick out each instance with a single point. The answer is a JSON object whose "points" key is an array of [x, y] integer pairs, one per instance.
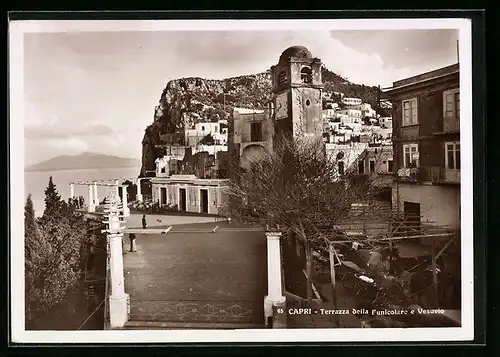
{"points": [[96, 91]]}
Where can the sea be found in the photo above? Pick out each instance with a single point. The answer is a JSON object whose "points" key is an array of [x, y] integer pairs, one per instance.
{"points": [[36, 182]]}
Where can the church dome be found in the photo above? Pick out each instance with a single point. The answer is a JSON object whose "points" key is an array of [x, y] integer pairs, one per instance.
{"points": [[295, 51]]}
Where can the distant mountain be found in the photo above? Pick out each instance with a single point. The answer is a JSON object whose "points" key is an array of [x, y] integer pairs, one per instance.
{"points": [[87, 160]]}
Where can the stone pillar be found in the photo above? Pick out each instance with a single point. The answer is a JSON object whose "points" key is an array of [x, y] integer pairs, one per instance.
{"points": [[96, 196], [274, 298], [117, 183], [71, 190], [118, 300], [139, 192], [126, 210], [90, 202], [158, 198]]}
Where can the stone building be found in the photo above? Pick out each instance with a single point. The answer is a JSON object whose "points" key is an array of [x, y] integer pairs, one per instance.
{"points": [[295, 109], [252, 134], [188, 193], [296, 86], [426, 139]]}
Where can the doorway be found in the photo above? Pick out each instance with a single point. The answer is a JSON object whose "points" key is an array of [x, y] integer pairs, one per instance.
{"points": [[182, 199], [412, 215], [361, 167], [204, 200], [163, 200]]}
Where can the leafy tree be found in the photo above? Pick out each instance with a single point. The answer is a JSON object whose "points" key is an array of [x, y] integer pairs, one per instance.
{"points": [[55, 252], [33, 256], [297, 187], [52, 200]]}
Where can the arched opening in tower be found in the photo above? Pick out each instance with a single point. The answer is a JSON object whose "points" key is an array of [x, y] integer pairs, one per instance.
{"points": [[306, 75], [282, 79]]}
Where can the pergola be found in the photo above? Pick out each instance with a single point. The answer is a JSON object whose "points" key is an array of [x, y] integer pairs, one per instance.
{"points": [[93, 199], [391, 227]]}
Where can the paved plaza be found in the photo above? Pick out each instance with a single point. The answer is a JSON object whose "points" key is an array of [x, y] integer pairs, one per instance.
{"points": [[192, 275]]}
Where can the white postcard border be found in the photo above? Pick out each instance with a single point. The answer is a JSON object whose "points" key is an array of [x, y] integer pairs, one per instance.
{"points": [[18, 333]]}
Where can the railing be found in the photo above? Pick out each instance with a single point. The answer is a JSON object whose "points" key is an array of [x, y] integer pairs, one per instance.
{"points": [[107, 292], [444, 175], [416, 174], [433, 174], [451, 124], [197, 311]]}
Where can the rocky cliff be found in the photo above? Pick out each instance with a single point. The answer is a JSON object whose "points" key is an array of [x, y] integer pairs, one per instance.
{"points": [[186, 101]]}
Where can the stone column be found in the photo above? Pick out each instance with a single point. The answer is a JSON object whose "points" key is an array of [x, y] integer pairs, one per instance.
{"points": [[138, 197], [90, 202], [274, 298], [126, 210], [96, 197], [71, 190], [118, 300], [117, 183]]}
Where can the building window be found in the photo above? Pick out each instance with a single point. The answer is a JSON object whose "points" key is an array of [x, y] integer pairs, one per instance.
{"points": [[306, 75], [361, 167], [372, 165], [410, 116], [215, 128], [341, 167], [282, 79], [452, 157], [390, 165], [202, 128], [255, 132], [410, 157], [451, 104]]}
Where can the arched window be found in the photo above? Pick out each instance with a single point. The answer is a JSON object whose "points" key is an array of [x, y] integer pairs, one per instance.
{"points": [[282, 79], [306, 75]]}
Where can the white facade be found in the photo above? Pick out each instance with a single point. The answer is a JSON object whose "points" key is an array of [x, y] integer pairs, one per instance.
{"points": [[190, 194], [163, 165], [334, 126], [366, 110], [354, 113], [438, 204], [217, 130], [347, 154], [328, 113], [211, 149], [351, 101], [385, 122]]}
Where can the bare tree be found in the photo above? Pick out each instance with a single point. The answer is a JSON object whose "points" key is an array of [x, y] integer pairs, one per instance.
{"points": [[296, 188]]}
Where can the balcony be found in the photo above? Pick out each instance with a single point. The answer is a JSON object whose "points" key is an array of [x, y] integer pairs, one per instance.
{"points": [[416, 174], [443, 175], [451, 125], [436, 175]]}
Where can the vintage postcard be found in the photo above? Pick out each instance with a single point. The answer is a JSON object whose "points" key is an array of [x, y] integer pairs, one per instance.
{"points": [[241, 180]]}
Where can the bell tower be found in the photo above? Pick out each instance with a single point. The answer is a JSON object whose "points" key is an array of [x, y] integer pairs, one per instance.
{"points": [[296, 85]]}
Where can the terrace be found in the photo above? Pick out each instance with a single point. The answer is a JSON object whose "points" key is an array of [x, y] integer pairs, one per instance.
{"points": [[195, 277]]}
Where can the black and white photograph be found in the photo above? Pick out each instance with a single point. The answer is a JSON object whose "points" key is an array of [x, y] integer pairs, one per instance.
{"points": [[241, 180]]}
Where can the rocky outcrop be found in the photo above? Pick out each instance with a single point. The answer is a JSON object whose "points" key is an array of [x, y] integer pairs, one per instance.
{"points": [[186, 101]]}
